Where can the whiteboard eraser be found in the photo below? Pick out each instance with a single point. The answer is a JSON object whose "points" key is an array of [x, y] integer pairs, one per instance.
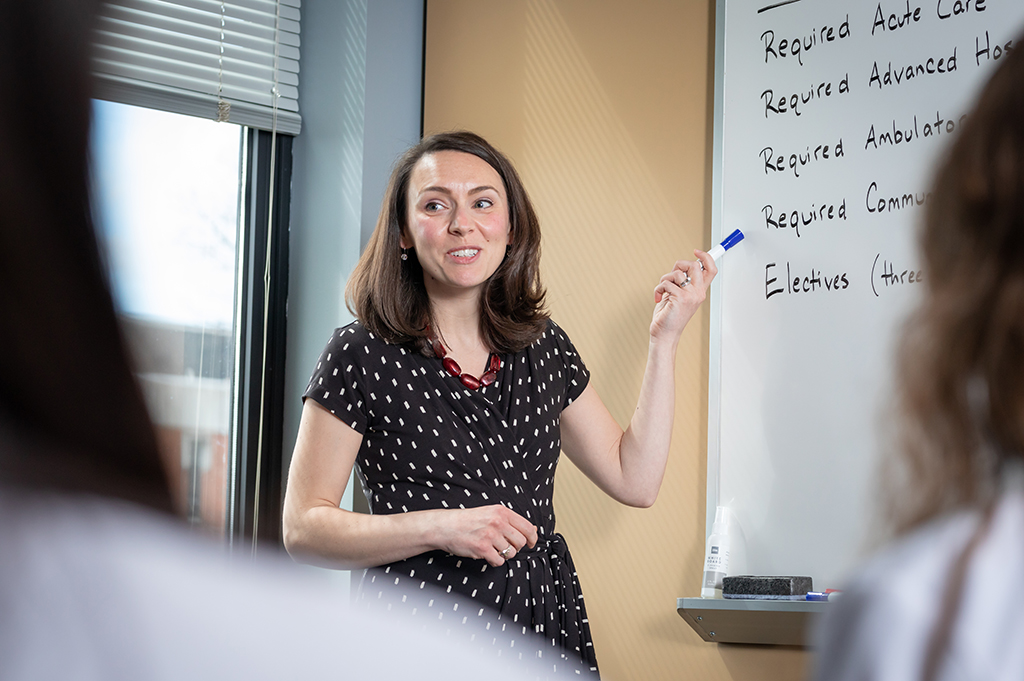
{"points": [[766, 588]]}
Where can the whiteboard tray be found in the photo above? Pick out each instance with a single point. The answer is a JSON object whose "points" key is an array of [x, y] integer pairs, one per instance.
{"points": [[784, 623]]}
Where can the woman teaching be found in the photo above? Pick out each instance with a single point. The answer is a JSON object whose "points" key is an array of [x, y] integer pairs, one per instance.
{"points": [[454, 393]]}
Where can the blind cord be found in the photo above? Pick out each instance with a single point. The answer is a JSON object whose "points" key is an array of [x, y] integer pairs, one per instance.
{"points": [[274, 94], [196, 499], [223, 106]]}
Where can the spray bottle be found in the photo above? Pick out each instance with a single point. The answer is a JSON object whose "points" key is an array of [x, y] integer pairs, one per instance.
{"points": [[716, 555]]}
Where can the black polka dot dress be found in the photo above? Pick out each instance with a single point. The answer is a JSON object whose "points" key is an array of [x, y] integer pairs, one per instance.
{"points": [[429, 442]]}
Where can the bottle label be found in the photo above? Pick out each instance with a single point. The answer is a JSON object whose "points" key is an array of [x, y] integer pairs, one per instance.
{"points": [[716, 565], [717, 559], [713, 580]]}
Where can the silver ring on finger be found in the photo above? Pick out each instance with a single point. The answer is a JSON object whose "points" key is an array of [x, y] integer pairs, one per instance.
{"points": [[686, 281], [505, 552]]}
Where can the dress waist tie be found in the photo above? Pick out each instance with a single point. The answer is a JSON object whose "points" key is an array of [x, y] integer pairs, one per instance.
{"points": [[552, 579]]}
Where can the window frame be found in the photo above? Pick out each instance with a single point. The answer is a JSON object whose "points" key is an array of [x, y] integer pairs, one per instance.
{"points": [[256, 475]]}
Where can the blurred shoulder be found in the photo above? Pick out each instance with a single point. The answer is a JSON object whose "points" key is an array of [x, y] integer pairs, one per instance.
{"points": [[94, 588], [882, 624]]}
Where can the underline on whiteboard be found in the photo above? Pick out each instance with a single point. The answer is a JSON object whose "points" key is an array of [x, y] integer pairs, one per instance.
{"points": [[778, 4]]}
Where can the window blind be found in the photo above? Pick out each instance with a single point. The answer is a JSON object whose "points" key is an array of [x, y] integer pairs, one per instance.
{"points": [[227, 60]]}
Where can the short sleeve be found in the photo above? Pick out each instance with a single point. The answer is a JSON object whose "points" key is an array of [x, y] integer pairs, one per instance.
{"points": [[577, 376], [337, 383]]}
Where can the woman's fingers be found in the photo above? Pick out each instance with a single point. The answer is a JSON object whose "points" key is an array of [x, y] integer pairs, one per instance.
{"points": [[486, 531], [664, 289], [695, 271], [526, 529], [508, 553], [680, 275], [707, 264], [684, 273], [520, 533], [508, 545], [680, 292]]}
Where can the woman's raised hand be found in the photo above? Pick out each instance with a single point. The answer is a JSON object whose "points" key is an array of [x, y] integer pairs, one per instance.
{"points": [[491, 533], [679, 293]]}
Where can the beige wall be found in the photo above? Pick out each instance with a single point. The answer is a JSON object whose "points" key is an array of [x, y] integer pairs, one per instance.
{"points": [[605, 109]]}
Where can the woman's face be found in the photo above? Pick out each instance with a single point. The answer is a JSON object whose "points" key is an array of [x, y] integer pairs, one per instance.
{"points": [[457, 222]]}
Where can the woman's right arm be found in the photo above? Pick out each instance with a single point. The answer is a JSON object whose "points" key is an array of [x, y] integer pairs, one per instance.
{"points": [[317, 531]]}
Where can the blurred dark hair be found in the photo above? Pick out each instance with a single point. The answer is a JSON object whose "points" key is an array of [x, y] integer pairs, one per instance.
{"points": [[72, 416], [962, 355], [387, 294]]}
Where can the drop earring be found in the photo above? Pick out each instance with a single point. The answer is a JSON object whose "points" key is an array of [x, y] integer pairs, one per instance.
{"points": [[405, 254]]}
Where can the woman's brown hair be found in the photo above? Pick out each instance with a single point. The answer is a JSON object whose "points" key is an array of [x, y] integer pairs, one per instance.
{"points": [[962, 353], [387, 294]]}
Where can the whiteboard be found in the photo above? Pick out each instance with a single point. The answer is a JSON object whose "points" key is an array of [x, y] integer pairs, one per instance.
{"points": [[822, 157]]}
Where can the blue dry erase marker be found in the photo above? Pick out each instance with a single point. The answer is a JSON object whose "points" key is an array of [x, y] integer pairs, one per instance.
{"points": [[827, 595], [718, 251]]}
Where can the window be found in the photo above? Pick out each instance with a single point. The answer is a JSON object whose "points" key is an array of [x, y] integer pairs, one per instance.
{"points": [[167, 190], [194, 217]]}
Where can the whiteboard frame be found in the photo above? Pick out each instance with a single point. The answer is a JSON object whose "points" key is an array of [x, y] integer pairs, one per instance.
{"points": [[714, 478], [961, 99]]}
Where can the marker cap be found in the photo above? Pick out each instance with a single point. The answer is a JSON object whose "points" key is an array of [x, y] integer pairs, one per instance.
{"points": [[719, 250], [732, 239]]}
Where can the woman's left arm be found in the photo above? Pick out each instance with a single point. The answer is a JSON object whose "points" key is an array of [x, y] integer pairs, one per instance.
{"points": [[629, 466]]}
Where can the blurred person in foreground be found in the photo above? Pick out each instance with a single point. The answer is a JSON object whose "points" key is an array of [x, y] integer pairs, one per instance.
{"points": [[944, 601], [98, 578]]}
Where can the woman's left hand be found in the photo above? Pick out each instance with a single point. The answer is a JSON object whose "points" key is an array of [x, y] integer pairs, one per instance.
{"points": [[679, 293]]}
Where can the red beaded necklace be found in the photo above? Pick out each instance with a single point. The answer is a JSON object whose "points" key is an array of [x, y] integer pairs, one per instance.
{"points": [[453, 368]]}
